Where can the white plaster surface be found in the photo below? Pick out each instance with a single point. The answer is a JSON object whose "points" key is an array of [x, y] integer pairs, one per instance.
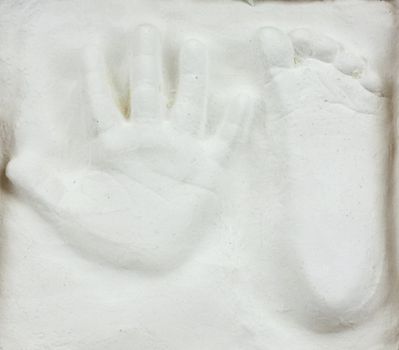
{"points": [[197, 175]]}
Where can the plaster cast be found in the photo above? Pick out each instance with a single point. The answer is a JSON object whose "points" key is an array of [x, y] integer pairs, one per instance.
{"points": [[199, 175]]}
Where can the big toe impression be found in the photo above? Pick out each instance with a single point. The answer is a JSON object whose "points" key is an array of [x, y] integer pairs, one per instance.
{"points": [[276, 48]]}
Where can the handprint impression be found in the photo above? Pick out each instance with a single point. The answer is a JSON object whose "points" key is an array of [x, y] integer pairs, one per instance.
{"points": [[146, 193]]}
